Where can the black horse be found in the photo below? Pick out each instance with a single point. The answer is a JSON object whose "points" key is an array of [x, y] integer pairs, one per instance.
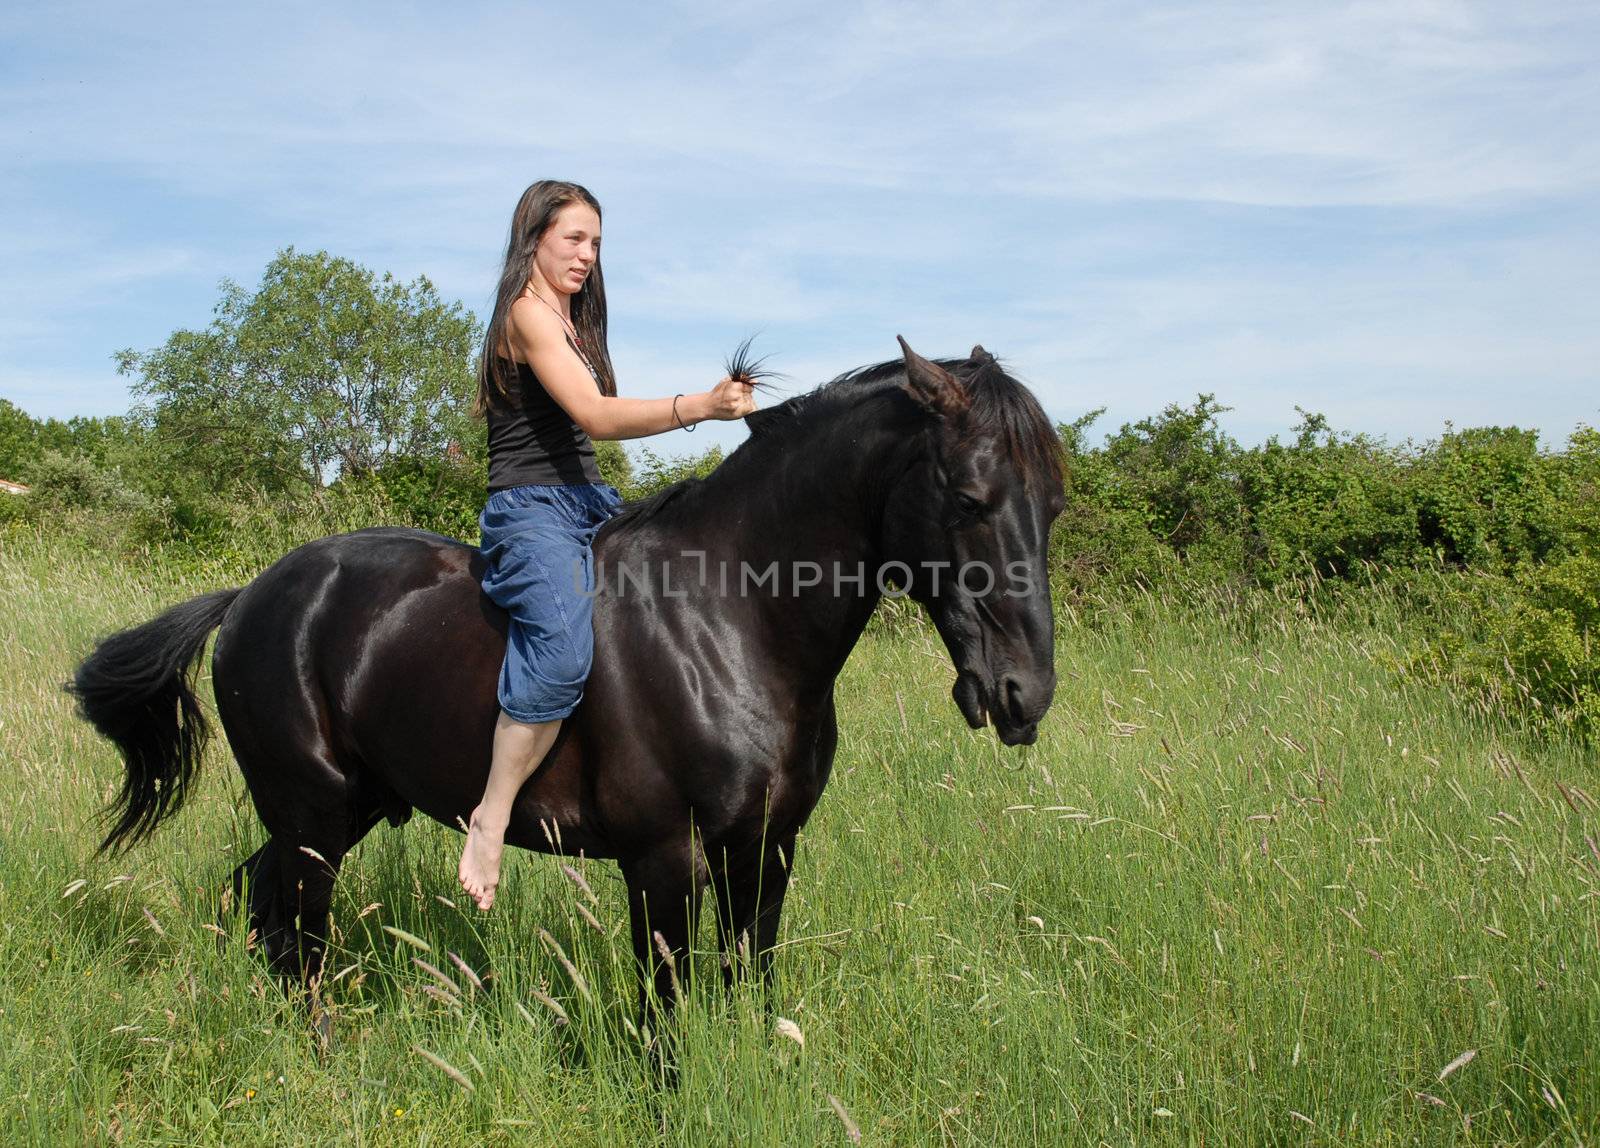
{"points": [[355, 678]]}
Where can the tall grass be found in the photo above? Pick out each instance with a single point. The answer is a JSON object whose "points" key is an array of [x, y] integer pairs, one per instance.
{"points": [[1249, 887]]}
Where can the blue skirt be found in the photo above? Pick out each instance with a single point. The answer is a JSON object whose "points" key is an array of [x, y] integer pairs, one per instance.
{"points": [[537, 542]]}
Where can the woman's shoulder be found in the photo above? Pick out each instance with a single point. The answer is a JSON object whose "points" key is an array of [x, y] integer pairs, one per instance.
{"points": [[524, 331], [528, 320]]}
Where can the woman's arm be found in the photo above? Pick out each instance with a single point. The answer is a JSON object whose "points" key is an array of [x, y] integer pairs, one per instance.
{"points": [[536, 333]]}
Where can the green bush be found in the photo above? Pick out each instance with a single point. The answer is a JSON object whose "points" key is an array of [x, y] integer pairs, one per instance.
{"points": [[440, 494], [1103, 538], [72, 492], [14, 511], [1325, 504], [1320, 504], [1487, 498], [1552, 639], [1524, 646], [656, 472]]}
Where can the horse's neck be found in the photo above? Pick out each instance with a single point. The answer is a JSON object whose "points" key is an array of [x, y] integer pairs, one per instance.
{"points": [[788, 504]]}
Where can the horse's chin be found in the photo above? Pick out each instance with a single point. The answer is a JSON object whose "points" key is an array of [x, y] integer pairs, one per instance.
{"points": [[971, 699], [968, 693], [1016, 734]]}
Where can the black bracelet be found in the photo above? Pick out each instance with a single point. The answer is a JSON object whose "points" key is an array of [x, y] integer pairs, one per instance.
{"points": [[675, 417]]}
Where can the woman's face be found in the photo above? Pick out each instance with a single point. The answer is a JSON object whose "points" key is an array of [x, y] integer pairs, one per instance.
{"points": [[569, 248]]}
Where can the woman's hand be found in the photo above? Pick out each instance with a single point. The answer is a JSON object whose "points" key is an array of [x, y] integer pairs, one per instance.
{"points": [[730, 399]]}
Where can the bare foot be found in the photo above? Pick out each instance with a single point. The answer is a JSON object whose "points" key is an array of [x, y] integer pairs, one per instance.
{"points": [[480, 861]]}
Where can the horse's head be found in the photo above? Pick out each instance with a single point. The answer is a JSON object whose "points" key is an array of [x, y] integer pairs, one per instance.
{"points": [[970, 516]]}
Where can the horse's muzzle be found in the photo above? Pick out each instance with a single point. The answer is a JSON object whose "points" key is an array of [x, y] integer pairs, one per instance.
{"points": [[1010, 703]]}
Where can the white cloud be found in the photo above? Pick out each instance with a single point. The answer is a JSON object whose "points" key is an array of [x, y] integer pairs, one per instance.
{"points": [[1139, 197], [1303, 103]]}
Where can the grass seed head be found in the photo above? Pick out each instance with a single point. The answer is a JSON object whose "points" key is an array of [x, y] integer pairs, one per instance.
{"points": [[583, 886], [1459, 1062], [445, 1067], [466, 970], [851, 1131], [786, 1027]]}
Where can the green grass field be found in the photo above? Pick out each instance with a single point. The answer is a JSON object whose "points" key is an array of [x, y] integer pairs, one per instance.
{"points": [[1249, 887]]}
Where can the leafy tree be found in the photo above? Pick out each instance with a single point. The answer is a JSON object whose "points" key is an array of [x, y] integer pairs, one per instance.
{"points": [[25, 440], [18, 435], [615, 465], [324, 371]]}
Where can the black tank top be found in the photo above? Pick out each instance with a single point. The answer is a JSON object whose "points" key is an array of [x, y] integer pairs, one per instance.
{"points": [[534, 441]]}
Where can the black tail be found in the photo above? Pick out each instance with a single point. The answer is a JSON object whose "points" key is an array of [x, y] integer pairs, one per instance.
{"points": [[136, 689]]}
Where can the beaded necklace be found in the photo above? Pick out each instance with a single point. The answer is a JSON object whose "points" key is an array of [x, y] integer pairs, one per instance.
{"points": [[572, 333]]}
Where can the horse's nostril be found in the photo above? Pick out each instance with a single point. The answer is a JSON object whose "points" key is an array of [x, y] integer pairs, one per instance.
{"points": [[1011, 690]]}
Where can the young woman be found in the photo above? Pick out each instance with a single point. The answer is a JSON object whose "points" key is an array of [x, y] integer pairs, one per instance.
{"points": [[546, 386]]}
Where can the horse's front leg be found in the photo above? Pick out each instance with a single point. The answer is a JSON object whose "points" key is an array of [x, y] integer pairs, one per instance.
{"points": [[664, 890], [750, 888]]}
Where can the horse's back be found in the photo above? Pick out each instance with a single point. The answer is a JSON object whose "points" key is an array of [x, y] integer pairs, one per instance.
{"points": [[400, 549], [338, 587]]}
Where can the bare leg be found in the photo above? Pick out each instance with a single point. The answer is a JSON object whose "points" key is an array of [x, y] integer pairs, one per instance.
{"points": [[518, 750]]}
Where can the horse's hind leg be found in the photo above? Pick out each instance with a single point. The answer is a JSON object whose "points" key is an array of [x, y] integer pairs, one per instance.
{"points": [[288, 896], [287, 893], [307, 801], [289, 738], [254, 890], [305, 896]]}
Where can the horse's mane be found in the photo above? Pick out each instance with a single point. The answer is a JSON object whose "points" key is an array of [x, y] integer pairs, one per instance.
{"points": [[999, 405], [643, 509]]}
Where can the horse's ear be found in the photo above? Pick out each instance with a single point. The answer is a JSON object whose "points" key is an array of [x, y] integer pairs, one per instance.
{"points": [[935, 388], [979, 355]]}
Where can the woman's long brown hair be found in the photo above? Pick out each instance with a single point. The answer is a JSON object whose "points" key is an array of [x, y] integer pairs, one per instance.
{"points": [[536, 211]]}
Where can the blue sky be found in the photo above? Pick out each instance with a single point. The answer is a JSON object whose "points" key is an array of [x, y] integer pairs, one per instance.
{"points": [[1384, 212]]}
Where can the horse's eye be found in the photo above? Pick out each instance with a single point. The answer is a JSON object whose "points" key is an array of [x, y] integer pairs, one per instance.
{"points": [[968, 506]]}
